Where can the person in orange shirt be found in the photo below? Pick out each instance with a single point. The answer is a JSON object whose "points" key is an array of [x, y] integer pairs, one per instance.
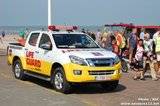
{"points": [[115, 47], [119, 40], [118, 37]]}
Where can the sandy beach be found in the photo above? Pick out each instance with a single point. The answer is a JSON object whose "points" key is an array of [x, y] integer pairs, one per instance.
{"points": [[4, 42]]}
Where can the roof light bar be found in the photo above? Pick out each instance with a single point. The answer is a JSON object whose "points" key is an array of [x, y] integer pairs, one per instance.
{"points": [[61, 27]]}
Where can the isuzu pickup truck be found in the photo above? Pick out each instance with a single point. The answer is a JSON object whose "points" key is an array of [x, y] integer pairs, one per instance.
{"points": [[64, 57]]}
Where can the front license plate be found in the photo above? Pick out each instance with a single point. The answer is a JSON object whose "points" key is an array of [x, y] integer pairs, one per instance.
{"points": [[102, 78]]}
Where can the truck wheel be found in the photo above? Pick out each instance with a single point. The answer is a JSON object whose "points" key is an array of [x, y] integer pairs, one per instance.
{"points": [[18, 70], [59, 82], [110, 86]]}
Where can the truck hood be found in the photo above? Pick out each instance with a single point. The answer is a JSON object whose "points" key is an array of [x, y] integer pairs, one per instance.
{"points": [[89, 53]]}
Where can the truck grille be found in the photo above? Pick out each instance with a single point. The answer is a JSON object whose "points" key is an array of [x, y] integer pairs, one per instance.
{"points": [[106, 72], [102, 62]]}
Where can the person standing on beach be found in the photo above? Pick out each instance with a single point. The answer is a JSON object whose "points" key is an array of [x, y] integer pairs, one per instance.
{"points": [[21, 38], [132, 43], [104, 40], [157, 50], [142, 34], [83, 30], [138, 61], [120, 40], [27, 32], [115, 48], [156, 34], [93, 36], [154, 46], [1, 40], [3, 34], [148, 56], [98, 36]]}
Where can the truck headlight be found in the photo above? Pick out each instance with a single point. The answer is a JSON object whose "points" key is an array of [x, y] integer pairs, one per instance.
{"points": [[77, 60], [116, 60]]}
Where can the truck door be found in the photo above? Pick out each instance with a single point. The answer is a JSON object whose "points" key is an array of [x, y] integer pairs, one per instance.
{"points": [[45, 54], [30, 51]]}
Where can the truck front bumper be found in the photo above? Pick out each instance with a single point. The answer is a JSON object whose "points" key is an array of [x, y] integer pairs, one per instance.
{"points": [[91, 74]]}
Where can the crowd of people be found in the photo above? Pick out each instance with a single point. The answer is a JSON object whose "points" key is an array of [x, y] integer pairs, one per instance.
{"points": [[142, 51]]}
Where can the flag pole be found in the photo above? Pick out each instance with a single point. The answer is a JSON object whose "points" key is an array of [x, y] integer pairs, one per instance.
{"points": [[49, 13]]}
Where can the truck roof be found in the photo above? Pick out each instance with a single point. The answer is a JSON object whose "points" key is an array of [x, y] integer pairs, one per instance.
{"points": [[57, 32]]}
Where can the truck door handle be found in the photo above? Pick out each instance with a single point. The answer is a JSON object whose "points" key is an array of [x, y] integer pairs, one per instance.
{"points": [[26, 49], [36, 51]]}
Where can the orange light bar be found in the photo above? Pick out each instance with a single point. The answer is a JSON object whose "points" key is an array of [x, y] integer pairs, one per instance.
{"points": [[61, 27]]}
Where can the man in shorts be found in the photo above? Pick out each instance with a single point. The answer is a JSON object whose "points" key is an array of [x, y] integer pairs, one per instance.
{"points": [[132, 43]]}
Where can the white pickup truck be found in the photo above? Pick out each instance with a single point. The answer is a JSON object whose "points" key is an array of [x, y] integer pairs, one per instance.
{"points": [[64, 58]]}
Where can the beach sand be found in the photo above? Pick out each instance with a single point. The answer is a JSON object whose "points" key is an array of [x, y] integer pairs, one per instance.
{"points": [[4, 42]]}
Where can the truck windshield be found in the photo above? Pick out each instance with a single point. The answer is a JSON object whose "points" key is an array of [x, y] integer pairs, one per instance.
{"points": [[74, 41]]}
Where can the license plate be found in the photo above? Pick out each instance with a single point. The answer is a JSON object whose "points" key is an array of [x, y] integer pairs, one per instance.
{"points": [[102, 78]]}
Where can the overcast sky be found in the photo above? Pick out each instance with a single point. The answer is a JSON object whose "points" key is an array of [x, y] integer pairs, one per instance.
{"points": [[79, 12]]}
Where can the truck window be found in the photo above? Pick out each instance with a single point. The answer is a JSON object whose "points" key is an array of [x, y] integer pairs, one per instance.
{"points": [[74, 41], [33, 39], [45, 40]]}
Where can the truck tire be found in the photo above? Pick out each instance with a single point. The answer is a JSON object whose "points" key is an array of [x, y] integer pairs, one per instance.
{"points": [[59, 82], [18, 70], [110, 86]]}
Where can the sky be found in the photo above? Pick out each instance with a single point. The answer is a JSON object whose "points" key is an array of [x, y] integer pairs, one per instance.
{"points": [[79, 12]]}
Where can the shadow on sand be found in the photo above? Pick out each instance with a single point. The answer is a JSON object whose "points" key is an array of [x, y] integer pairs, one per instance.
{"points": [[78, 89]]}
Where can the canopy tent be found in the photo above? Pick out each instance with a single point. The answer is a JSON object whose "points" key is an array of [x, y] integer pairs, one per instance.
{"points": [[133, 26]]}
